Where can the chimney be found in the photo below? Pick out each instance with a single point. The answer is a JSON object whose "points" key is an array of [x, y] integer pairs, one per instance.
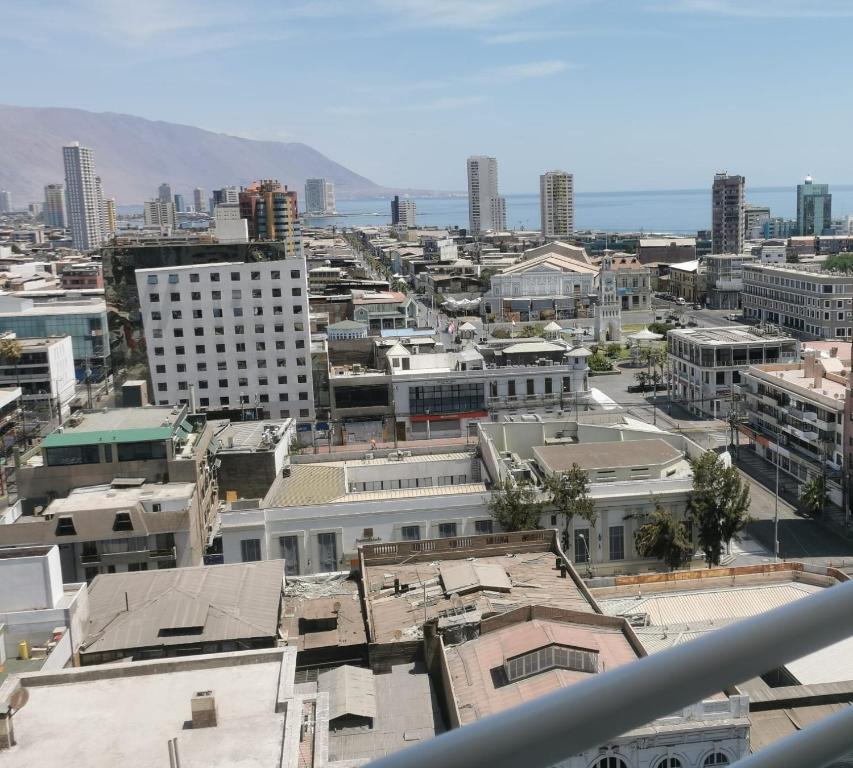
{"points": [[809, 363], [203, 709], [7, 732]]}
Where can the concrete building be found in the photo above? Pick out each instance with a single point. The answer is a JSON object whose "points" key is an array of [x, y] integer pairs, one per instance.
{"points": [[727, 211], [319, 196], [183, 612], [84, 197], [109, 218], [687, 281], [83, 318], [180, 205], [224, 195], [755, 218], [814, 208], [164, 193], [383, 309], [633, 282], [159, 213], [608, 310], [229, 226], [237, 334], [793, 415], [346, 330], [557, 204], [200, 202], [38, 609], [128, 525], [724, 278], [5, 201], [486, 208], [706, 363], [778, 227], [75, 277], [10, 417], [272, 214], [153, 444], [54, 206], [666, 250], [800, 298], [556, 281], [45, 374], [406, 214]]}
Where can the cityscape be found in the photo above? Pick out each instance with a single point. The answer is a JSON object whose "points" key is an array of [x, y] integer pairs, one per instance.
{"points": [[301, 469]]}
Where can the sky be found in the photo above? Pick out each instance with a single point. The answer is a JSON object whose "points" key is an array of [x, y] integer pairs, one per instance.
{"points": [[626, 94]]}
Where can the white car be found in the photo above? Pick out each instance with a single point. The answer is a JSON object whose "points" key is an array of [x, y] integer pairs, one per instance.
{"points": [[680, 300]]}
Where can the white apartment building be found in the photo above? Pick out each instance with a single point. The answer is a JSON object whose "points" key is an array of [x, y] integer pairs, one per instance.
{"points": [[45, 374], [5, 201], [200, 201], [160, 213], [84, 197], [319, 196], [706, 363], [238, 333], [407, 211], [486, 208], [557, 204], [230, 228]]}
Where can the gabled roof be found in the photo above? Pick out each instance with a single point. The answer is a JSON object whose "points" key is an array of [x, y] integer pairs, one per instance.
{"points": [[351, 691], [552, 261]]}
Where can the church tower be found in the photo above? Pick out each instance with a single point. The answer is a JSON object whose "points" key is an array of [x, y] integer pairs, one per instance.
{"points": [[608, 312]]}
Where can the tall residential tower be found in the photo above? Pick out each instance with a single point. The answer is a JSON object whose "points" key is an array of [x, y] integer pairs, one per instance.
{"points": [[486, 208], [814, 208], [319, 196], [727, 213], [200, 200], [557, 204], [84, 197], [54, 206]]}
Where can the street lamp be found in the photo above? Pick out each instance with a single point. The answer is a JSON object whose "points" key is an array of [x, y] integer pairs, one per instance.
{"points": [[582, 537]]}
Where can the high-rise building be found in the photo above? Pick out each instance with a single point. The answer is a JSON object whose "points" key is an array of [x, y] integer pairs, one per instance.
{"points": [[229, 226], [331, 205], [200, 200], [406, 212], [225, 195], [315, 195], [271, 211], [754, 219], [395, 210], [727, 213], [180, 205], [486, 208], [160, 214], [557, 204], [84, 197], [814, 208], [5, 201], [109, 217], [54, 206], [35, 209], [164, 193]]}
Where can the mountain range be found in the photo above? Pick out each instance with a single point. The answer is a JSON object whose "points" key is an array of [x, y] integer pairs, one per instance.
{"points": [[133, 156]]}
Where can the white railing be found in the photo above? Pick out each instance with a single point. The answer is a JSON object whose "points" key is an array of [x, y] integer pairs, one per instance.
{"points": [[572, 720]]}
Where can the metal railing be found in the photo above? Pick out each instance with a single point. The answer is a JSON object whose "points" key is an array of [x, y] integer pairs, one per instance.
{"points": [[572, 720]]}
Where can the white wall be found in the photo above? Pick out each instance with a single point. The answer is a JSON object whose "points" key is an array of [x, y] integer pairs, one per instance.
{"points": [[30, 583]]}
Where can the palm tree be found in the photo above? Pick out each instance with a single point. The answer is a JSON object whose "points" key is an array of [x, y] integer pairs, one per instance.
{"points": [[813, 495]]}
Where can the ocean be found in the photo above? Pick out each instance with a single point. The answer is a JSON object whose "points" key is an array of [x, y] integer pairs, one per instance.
{"points": [[677, 211]]}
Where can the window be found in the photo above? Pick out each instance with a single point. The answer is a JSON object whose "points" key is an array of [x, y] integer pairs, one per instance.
{"points": [[199, 348], [617, 542], [289, 550], [300, 343], [262, 363], [238, 311], [220, 348], [195, 296], [300, 361], [294, 274], [162, 387], [250, 550], [152, 279], [716, 758], [153, 297], [303, 395], [160, 368], [304, 413], [75, 454], [141, 451], [235, 275], [240, 347], [181, 367], [180, 350], [279, 345], [610, 762], [223, 383], [410, 533], [197, 314], [259, 327], [483, 526], [283, 397], [174, 296], [159, 351], [239, 329], [297, 309], [193, 277], [242, 381], [214, 277], [156, 316], [65, 527], [158, 333], [669, 762], [264, 398], [582, 545], [199, 331], [176, 314], [258, 311], [446, 530], [217, 311], [301, 379], [255, 276], [256, 293], [275, 275], [276, 293], [283, 380], [236, 293], [262, 381], [122, 522], [202, 384]]}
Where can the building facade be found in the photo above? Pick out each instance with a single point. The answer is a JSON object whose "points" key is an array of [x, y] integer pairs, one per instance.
{"points": [[272, 214], [727, 213], [231, 335], [755, 217], [319, 196], [200, 202], [814, 208], [557, 204], [705, 364], [54, 206], [160, 213], [486, 208], [724, 278], [230, 227], [84, 197], [806, 301], [5, 201]]}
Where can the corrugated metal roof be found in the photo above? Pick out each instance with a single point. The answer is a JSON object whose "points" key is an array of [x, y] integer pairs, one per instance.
{"points": [[228, 602], [351, 691], [69, 439], [460, 576]]}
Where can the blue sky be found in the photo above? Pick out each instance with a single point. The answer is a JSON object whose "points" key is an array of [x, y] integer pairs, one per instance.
{"points": [[627, 94]]}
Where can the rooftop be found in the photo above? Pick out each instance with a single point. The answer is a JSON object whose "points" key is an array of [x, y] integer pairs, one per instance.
{"points": [[176, 606], [732, 334], [246, 436], [606, 455], [794, 377], [666, 242], [120, 425]]}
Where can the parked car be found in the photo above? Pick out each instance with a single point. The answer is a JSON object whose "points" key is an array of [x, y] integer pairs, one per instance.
{"points": [[697, 306], [680, 301], [732, 316]]}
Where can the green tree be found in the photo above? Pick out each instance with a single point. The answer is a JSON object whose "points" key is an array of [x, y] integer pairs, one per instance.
{"points": [[10, 351], [515, 507], [642, 378], [719, 505], [569, 496], [532, 331], [613, 350], [839, 262], [599, 362], [485, 278], [813, 495], [665, 538]]}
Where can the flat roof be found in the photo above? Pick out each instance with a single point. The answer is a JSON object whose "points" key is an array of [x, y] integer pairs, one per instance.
{"points": [[731, 334], [211, 603], [606, 455], [107, 497], [533, 578], [119, 425], [242, 436]]}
